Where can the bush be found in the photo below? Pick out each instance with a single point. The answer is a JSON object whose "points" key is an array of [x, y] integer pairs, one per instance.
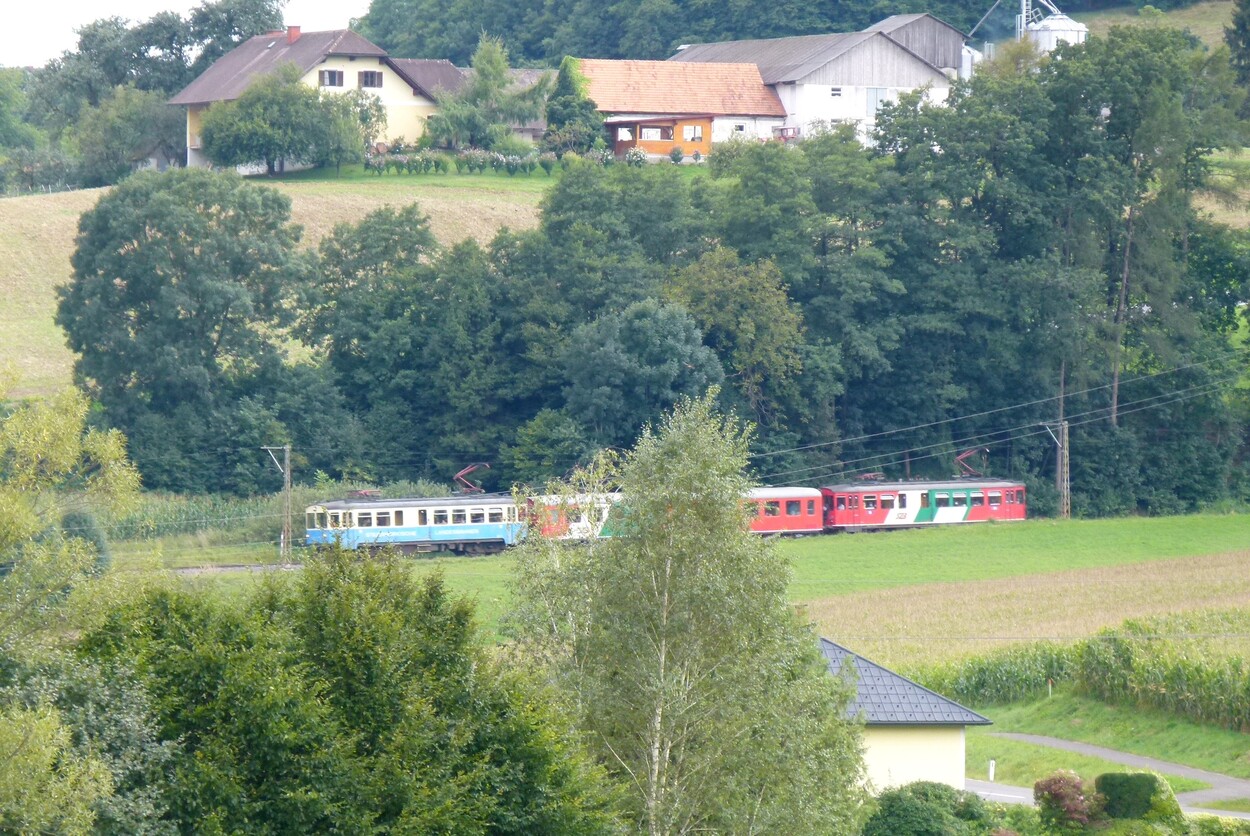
{"points": [[636, 157], [1062, 803], [927, 807], [1128, 794], [677, 154]]}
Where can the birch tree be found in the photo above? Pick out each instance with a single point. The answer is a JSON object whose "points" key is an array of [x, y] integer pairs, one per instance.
{"points": [[691, 676]]}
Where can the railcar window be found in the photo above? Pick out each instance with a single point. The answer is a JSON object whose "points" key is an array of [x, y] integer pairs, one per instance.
{"points": [[310, 520], [855, 502], [597, 513], [364, 520], [1020, 497], [772, 509], [512, 514], [495, 515], [423, 517], [384, 518], [870, 503], [457, 516], [399, 517], [794, 507], [960, 500], [996, 498], [1011, 498], [924, 499], [902, 500], [978, 500], [942, 500], [336, 521], [440, 516], [811, 506], [477, 515], [841, 503], [887, 503]]}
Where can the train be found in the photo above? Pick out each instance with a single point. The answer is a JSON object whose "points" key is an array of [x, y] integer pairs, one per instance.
{"points": [[473, 524]]}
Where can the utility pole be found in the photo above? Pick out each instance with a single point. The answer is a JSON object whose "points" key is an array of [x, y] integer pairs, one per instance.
{"points": [[1062, 468], [284, 548]]}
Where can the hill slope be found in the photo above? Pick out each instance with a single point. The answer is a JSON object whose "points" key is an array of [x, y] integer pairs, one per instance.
{"points": [[37, 238]]}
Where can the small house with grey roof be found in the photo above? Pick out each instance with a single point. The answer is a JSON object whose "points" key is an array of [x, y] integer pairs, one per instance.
{"points": [[846, 77], [910, 733]]}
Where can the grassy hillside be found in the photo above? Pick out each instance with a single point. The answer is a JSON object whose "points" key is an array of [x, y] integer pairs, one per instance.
{"points": [[37, 237], [1205, 20]]}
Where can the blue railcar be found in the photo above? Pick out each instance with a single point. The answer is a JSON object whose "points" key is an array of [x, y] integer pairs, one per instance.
{"points": [[471, 524]]}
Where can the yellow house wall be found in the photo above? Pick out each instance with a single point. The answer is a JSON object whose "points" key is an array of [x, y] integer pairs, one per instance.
{"points": [[896, 755], [406, 111]]}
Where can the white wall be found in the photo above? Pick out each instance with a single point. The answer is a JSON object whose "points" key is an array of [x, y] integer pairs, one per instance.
{"points": [[754, 127], [810, 103]]}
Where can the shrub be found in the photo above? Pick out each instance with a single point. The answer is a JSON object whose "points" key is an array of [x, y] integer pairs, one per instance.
{"points": [[899, 813], [1128, 794], [677, 154], [697, 156], [547, 161], [636, 157], [1061, 801], [84, 526]]}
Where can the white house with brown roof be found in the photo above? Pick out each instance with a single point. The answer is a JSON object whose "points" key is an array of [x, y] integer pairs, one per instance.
{"points": [[657, 105], [334, 61], [847, 77], [910, 733]]}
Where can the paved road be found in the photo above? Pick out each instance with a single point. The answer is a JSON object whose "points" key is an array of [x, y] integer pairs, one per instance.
{"points": [[1223, 787]]}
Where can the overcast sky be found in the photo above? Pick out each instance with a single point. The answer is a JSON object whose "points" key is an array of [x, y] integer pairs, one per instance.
{"points": [[34, 32]]}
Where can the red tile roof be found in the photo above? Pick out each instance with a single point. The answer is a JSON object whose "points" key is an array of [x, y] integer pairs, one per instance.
{"points": [[669, 87]]}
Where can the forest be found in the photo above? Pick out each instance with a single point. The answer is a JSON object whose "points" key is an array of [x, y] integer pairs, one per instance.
{"points": [[1031, 251]]}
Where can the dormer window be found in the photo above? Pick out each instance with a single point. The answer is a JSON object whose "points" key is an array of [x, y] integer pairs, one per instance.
{"points": [[330, 78]]}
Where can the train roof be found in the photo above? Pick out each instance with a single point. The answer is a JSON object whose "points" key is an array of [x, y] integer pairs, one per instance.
{"points": [[366, 503], [784, 493], [946, 485]]}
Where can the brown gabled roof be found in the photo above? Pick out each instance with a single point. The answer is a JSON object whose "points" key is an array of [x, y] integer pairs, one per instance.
{"points": [[664, 87], [231, 74], [430, 75]]}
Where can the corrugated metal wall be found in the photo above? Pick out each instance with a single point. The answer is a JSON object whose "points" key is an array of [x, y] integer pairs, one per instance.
{"points": [[932, 40]]}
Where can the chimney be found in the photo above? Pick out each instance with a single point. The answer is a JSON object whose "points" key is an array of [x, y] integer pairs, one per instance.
{"points": [[292, 34]]}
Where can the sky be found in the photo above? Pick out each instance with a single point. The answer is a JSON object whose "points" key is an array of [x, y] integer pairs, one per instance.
{"points": [[34, 33]]}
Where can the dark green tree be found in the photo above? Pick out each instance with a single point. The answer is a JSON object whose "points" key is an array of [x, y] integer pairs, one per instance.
{"points": [[278, 119], [573, 121], [625, 369], [128, 127]]}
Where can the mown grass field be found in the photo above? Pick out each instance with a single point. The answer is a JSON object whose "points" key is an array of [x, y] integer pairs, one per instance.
{"points": [[37, 235], [913, 597], [1205, 20]]}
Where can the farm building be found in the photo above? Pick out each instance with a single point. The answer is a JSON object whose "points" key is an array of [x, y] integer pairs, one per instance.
{"points": [[657, 105], [910, 732], [847, 77]]}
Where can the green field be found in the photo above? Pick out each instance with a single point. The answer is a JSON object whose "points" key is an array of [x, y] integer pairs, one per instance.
{"points": [[37, 238], [1205, 20]]}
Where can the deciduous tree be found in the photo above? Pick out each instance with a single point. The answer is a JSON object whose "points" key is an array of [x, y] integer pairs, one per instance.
{"points": [[695, 683]]}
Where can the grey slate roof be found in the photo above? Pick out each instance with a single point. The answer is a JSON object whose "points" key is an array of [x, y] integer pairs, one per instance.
{"points": [[231, 74], [779, 59], [883, 698], [429, 75]]}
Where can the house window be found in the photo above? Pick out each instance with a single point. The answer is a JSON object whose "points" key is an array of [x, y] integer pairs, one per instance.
{"points": [[624, 134], [370, 78], [877, 96], [661, 134], [835, 92], [330, 78], [740, 127], [692, 133]]}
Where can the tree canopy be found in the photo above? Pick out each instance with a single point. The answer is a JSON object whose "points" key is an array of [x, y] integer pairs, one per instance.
{"points": [[693, 679]]}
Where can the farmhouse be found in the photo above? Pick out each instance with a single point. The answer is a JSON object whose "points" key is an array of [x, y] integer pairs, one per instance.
{"points": [[910, 732], [659, 105], [847, 77], [337, 60]]}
